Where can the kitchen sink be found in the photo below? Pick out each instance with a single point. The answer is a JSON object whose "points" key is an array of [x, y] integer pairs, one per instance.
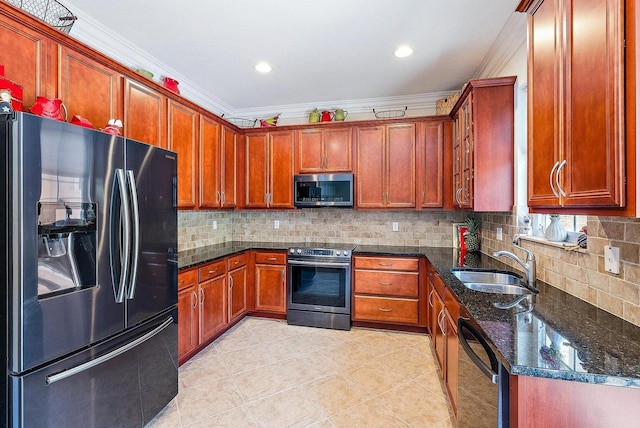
{"points": [[491, 281]]}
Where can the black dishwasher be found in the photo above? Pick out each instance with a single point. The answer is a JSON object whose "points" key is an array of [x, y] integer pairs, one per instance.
{"points": [[483, 382]]}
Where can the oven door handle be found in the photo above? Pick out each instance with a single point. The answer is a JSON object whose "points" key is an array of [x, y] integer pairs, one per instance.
{"points": [[490, 372], [318, 264]]}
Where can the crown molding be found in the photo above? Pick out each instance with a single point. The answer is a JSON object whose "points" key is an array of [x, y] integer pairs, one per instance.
{"points": [[510, 39]]}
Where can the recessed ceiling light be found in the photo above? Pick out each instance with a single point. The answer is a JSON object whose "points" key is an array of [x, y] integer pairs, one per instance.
{"points": [[403, 51], [263, 67]]}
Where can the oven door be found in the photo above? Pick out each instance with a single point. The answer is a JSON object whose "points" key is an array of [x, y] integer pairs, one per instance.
{"points": [[320, 286]]}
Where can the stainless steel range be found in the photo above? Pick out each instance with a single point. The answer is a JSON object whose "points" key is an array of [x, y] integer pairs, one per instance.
{"points": [[319, 286]]}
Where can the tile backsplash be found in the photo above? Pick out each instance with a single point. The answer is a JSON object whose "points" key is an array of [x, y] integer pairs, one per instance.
{"points": [[581, 273]]}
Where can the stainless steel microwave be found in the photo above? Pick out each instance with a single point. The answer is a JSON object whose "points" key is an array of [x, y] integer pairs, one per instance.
{"points": [[323, 190]]}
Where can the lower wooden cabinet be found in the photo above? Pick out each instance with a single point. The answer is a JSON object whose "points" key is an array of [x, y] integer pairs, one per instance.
{"points": [[188, 336], [270, 282], [213, 307], [387, 290], [237, 266]]}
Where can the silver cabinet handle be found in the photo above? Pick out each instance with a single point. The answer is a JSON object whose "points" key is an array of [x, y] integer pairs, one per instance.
{"points": [[384, 310], [106, 357], [195, 300], [271, 259], [553, 189], [562, 165], [429, 298], [223, 198], [201, 297], [385, 283], [218, 198], [457, 196], [230, 281]]}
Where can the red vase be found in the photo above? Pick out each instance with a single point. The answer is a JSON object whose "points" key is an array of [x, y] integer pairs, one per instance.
{"points": [[171, 84]]}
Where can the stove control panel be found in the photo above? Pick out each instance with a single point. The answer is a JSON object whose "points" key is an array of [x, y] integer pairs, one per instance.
{"points": [[319, 252]]}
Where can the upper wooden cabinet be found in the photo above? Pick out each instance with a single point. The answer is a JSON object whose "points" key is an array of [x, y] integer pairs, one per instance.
{"points": [[324, 150], [145, 114], [483, 145], [29, 58], [183, 139], [385, 166], [430, 161], [269, 169], [576, 104], [218, 165], [88, 88]]}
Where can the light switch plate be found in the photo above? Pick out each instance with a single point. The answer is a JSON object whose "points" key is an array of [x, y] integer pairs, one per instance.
{"points": [[499, 234], [276, 224], [612, 259], [215, 224], [394, 226]]}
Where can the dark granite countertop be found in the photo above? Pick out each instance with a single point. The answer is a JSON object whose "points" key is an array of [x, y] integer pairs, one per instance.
{"points": [[563, 337]]}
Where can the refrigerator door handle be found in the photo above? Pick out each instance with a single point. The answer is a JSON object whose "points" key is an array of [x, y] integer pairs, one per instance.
{"points": [[106, 357], [125, 236], [135, 226]]}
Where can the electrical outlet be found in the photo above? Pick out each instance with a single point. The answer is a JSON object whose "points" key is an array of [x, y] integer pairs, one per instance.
{"points": [[612, 259], [215, 224], [394, 226], [276, 224], [499, 234]]}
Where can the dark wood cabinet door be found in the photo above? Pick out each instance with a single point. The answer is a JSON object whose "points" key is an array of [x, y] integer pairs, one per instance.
{"points": [[370, 167], [213, 307], [29, 59], [543, 148], [430, 157], [183, 139], [337, 149], [452, 360], [438, 337], [594, 104], [88, 88], [145, 114], [270, 288], [237, 293], [209, 164], [311, 156], [281, 146], [257, 158], [229, 167], [401, 163], [187, 320]]}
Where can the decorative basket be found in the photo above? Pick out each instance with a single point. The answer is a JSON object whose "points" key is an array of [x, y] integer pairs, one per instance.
{"points": [[444, 105], [389, 114], [241, 122], [49, 11]]}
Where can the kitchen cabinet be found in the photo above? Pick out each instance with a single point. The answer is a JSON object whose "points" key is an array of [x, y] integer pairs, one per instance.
{"points": [[324, 150], [145, 114], [212, 288], [432, 185], [218, 165], [269, 169], [88, 88], [188, 318], [385, 166], [444, 311], [483, 145], [386, 289], [183, 139], [30, 58], [270, 282], [576, 104], [237, 266]]}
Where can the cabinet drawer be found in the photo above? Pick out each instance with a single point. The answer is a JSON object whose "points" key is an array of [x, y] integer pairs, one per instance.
{"points": [[385, 263], [187, 278], [237, 261], [387, 283], [271, 258], [212, 270], [382, 309]]}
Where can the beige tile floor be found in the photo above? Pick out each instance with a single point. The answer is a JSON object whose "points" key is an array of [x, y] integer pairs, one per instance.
{"points": [[265, 373]]}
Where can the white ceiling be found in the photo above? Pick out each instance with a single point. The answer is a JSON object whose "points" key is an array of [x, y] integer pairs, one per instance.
{"points": [[331, 52]]}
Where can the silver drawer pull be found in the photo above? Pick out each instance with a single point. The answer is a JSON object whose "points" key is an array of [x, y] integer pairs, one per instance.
{"points": [[385, 283], [385, 264], [213, 271], [384, 310], [273, 259]]}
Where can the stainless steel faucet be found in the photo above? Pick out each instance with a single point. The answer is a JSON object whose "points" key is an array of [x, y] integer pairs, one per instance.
{"points": [[529, 265]]}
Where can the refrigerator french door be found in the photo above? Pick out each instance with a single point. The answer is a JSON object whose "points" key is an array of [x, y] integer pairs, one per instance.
{"points": [[90, 232]]}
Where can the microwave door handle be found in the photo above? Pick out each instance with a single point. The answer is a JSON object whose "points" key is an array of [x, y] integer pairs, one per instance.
{"points": [[135, 226], [490, 372], [123, 235]]}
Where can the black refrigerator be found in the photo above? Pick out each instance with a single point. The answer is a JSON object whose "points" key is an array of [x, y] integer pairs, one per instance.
{"points": [[89, 294]]}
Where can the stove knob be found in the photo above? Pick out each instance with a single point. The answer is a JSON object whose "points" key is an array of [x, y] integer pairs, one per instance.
{"points": [[292, 250], [345, 252], [299, 251]]}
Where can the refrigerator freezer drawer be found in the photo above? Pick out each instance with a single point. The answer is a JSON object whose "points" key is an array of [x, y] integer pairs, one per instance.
{"points": [[123, 382]]}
